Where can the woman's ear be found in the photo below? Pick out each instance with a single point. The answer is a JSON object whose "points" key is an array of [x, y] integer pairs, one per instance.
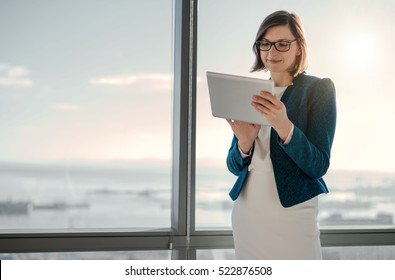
{"points": [[299, 52]]}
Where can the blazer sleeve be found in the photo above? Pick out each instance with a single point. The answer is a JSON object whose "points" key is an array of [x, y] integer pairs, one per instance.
{"points": [[311, 149], [234, 160]]}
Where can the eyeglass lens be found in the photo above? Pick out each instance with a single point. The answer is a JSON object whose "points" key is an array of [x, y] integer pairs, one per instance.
{"points": [[281, 46]]}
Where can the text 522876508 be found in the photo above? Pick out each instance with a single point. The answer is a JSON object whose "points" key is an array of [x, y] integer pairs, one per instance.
{"points": [[244, 270]]}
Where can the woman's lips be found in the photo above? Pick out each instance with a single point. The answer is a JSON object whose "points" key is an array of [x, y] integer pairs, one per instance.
{"points": [[273, 61]]}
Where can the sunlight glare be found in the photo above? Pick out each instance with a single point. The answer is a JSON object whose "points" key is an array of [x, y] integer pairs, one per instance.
{"points": [[361, 51]]}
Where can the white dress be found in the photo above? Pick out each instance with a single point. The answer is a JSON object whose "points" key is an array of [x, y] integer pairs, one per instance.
{"points": [[262, 227]]}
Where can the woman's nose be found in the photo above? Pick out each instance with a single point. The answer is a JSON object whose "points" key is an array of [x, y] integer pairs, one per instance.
{"points": [[272, 50]]}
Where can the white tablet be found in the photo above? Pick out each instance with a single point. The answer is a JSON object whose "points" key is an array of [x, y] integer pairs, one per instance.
{"points": [[231, 96]]}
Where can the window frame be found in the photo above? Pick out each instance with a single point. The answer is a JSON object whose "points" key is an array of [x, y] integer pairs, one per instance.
{"points": [[182, 238]]}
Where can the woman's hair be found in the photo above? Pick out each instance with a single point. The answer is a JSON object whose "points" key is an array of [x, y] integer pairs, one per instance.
{"points": [[296, 27]]}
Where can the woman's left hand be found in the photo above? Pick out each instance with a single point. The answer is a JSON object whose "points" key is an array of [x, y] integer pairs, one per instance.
{"points": [[274, 111]]}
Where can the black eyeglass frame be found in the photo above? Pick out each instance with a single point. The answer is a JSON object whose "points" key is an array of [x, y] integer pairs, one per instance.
{"points": [[259, 42]]}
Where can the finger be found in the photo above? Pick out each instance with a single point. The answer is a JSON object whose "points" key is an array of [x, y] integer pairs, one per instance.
{"points": [[262, 101], [230, 122], [234, 123], [268, 96], [261, 108]]}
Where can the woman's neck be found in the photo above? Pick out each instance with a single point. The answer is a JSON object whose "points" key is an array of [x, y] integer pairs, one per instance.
{"points": [[282, 79]]}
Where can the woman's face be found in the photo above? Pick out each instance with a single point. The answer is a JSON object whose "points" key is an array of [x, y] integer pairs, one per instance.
{"points": [[275, 61]]}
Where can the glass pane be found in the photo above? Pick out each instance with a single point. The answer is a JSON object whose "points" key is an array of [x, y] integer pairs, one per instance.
{"points": [[353, 48], [216, 254], [108, 255], [328, 253], [85, 106], [359, 253]]}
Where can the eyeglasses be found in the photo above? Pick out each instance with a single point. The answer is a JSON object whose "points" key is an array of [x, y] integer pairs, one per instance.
{"points": [[281, 46]]}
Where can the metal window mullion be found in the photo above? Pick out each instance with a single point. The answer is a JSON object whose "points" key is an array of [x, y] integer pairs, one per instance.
{"points": [[192, 82], [184, 84], [329, 238]]}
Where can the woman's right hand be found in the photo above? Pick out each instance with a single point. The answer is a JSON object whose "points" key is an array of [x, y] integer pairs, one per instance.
{"points": [[246, 133]]}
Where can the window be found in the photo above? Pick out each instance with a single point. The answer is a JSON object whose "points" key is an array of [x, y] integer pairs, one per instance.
{"points": [[107, 255], [328, 253], [227, 254], [359, 253], [347, 42], [85, 105], [104, 74]]}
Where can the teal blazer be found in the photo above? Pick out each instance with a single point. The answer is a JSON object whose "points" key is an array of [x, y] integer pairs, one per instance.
{"points": [[299, 166]]}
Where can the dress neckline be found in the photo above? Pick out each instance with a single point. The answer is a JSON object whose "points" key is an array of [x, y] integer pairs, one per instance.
{"points": [[279, 91]]}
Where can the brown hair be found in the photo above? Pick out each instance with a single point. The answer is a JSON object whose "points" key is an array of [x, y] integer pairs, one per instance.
{"points": [[296, 27]]}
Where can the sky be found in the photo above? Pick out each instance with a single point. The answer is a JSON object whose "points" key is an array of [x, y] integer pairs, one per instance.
{"points": [[92, 80], [85, 80], [351, 42]]}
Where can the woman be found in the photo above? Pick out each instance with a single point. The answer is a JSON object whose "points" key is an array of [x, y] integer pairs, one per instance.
{"points": [[280, 168]]}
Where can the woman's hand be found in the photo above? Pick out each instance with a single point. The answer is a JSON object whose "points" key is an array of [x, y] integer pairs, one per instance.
{"points": [[274, 111], [246, 133]]}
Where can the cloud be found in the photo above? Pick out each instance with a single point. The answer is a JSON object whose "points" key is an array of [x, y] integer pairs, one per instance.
{"points": [[15, 76], [16, 72], [148, 80], [121, 80], [13, 82]]}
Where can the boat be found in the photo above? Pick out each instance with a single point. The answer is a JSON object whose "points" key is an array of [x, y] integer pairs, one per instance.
{"points": [[60, 206], [15, 207]]}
